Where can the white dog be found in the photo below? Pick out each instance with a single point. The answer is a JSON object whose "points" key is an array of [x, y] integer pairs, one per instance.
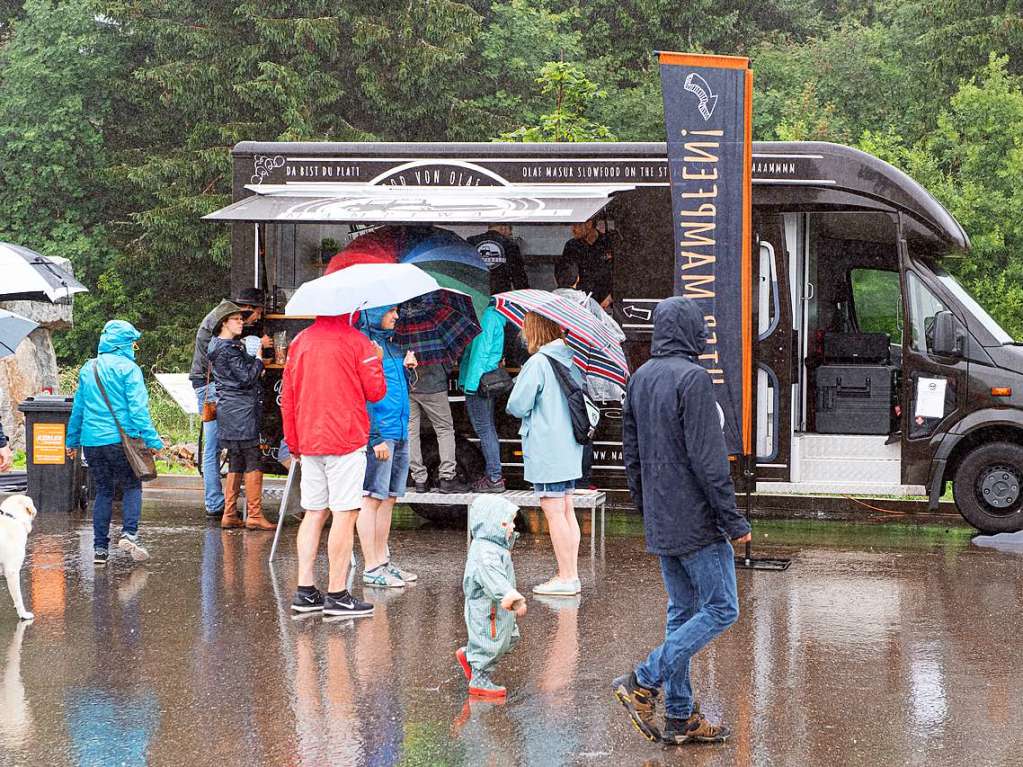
{"points": [[16, 515]]}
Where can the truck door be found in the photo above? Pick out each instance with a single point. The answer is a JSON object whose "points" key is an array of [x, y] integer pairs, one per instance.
{"points": [[773, 382], [933, 386]]}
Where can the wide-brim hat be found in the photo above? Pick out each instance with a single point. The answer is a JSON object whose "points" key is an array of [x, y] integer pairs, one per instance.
{"points": [[250, 297], [224, 310]]}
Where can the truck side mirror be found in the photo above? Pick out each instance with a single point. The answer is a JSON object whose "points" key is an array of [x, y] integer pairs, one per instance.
{"points": [[949, 335]]}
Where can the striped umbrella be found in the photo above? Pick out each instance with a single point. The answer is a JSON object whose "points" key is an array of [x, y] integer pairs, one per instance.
{"points": [[597, 353]]}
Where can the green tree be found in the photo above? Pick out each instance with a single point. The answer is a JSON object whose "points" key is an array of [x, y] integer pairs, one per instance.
{"points": [[573, 94]]}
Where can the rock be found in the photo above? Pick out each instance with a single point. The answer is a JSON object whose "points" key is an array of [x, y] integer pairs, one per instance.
{"points": [[184, 454]]}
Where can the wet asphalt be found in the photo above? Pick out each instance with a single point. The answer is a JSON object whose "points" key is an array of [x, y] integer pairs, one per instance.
{"points": [[879, 646]]}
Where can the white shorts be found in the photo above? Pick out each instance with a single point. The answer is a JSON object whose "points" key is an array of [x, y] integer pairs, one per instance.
{"points": [[333, 481]]}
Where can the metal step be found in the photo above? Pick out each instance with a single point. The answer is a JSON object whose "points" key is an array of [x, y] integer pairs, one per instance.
{"points": [[846, 446], [868, 470], [864, 489]]}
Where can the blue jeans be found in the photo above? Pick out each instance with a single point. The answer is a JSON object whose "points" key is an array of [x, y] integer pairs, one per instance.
{"points": [[109, 468], [214, 491], [702, 603], [481, 416], [386, 479]]}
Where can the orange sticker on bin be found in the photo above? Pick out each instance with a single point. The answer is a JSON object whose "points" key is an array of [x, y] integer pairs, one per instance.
{"points": [[48, 443]]}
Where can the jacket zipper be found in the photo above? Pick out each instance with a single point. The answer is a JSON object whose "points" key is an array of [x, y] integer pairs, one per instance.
{"points": [[493, 622]]}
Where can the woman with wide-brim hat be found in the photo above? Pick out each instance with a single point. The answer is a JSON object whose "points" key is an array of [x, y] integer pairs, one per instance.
{"points": [[239, 412]]}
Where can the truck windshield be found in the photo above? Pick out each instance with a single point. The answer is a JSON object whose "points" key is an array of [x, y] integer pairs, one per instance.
{"points": [[972, 306]]}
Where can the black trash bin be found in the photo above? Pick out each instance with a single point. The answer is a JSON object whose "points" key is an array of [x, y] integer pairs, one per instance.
{"points": [[54, 480]]}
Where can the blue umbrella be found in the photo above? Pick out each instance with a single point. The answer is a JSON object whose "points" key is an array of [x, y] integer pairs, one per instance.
{"points": [[13, 329]]}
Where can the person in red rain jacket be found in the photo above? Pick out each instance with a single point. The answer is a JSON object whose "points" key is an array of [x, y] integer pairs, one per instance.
{"points": [[332, 371]]}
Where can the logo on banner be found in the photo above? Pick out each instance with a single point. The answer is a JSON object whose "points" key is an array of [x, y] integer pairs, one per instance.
{"points": [[701, 89]]}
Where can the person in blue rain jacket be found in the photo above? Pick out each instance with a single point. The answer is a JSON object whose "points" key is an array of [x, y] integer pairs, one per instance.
{"points": [[94, 428], [491, 599], [387, 456]]}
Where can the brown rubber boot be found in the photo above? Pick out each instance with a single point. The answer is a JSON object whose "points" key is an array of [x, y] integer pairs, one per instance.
{"points": [[232, 490], [254, 519]]}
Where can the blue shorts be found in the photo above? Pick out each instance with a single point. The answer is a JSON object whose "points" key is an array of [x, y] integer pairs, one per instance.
{"points": [[554, 489], [386, 479]]}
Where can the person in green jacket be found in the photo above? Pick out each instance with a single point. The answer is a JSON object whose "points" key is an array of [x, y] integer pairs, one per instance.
{"points": [[491, 599], [480, 357]]}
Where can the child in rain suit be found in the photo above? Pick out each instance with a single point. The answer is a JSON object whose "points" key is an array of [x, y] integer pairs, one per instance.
{"points": [[491, 600]]}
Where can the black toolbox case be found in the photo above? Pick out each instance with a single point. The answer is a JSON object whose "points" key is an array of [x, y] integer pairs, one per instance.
{"points": [[854, 399]]}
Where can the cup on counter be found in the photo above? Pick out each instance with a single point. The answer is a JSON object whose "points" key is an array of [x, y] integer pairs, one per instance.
{"points": [[280, 347]]}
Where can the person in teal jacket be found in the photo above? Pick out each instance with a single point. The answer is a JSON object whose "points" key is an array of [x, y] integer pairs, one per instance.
{"points": [[93, 427], [480, 357], [552, 458], [387, 457], [491, 599]]}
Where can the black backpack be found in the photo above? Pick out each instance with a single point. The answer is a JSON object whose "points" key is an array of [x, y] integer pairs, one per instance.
{"points": [[583, 411]]}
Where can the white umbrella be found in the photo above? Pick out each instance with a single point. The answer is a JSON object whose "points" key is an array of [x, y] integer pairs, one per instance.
{"points": [[13, 329], [362, 286], [31, 276]]}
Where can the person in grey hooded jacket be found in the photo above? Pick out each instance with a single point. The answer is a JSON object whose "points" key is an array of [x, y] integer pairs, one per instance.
{"points": [[677, 468]]}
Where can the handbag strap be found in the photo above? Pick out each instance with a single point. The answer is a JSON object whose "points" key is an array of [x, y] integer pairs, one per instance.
{"points": [[568, 386], [103, 391]]}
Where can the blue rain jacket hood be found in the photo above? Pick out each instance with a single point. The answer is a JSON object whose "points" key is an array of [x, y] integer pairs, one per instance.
{"points": [[550, 452], [388, 418], [489, 584], [676, 461], [92, 423]]}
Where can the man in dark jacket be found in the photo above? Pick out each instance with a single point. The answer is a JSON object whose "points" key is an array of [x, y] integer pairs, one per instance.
{"points": [[677, 469], [502, 255]]}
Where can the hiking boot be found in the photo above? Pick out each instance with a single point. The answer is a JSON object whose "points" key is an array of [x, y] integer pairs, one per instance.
{"points": [[401, 575], [100, 557], [215, 513], [130, 543], [695, 729], [641, 704], [556, 587], [347, 605], [482, 686], [451, 486], [464, 663], [381, 578], [488, 485], [306, 602]]}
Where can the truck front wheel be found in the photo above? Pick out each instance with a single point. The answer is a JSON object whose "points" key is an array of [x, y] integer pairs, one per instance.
{"points": [[988, 487]]}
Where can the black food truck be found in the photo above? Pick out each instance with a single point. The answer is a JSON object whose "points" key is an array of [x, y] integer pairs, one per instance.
{"points": [[875, 372]]}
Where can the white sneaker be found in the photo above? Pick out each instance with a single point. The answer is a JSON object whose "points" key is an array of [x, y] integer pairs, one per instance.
{"points": [[556, 587], [402, 575], [381, 577], [130, 543]]}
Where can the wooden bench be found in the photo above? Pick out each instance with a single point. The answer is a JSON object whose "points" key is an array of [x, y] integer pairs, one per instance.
{"points": [[593, 500]]}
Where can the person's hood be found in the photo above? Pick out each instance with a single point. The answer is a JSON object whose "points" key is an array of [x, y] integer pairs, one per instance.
{"points": [[369, 323], [679, 328], [560, 351], [117, 338], [486, 514], [337, 321], [218, 344], [576, 296]]}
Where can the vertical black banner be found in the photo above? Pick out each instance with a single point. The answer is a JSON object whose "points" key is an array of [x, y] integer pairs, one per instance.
{"points": [[707, 116]]}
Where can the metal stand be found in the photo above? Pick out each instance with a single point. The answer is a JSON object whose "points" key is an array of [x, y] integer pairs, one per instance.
{"points": [[748, 562]]}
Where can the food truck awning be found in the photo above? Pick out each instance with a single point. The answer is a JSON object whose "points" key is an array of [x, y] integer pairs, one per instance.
{"points": [[365, 203]]}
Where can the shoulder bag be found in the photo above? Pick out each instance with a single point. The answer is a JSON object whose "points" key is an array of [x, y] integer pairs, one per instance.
{"points": [[495, 383], [584, 412], [140, 457]]}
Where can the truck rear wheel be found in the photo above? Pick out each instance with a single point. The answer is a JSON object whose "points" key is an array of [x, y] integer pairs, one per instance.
{"points": [[988, 488], [469, 461]]}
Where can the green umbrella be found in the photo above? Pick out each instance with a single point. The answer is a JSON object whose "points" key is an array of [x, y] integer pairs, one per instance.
{"points": [[480, 298]]}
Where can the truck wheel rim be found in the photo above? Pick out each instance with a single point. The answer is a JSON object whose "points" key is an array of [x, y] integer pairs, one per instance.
{"points": [[999, 487]]}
